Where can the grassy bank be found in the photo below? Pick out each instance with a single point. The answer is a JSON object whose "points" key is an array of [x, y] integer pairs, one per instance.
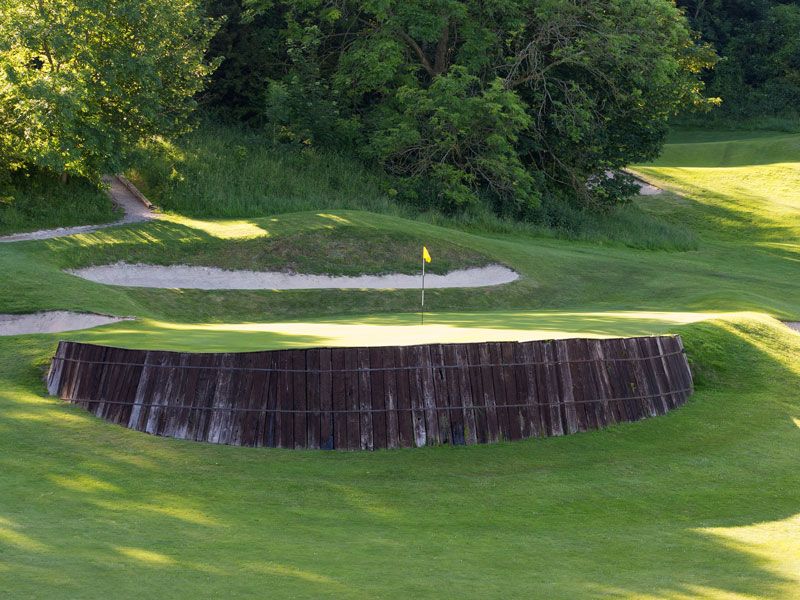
{"points": [[29, 203]]}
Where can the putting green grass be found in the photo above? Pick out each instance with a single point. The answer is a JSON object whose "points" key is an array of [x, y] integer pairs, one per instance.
{"points": [[703, 502], [387, 330]]}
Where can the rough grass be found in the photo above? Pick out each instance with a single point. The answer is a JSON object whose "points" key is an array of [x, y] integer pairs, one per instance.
{"points": [[223, 172], [41, 202]]}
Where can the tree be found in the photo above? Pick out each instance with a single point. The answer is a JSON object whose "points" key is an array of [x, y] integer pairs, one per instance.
{"points": [[83, 81], [508, 101], [759, 45]]}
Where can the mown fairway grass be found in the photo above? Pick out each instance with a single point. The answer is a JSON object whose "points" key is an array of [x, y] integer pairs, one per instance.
{"points": [[704, 502]]}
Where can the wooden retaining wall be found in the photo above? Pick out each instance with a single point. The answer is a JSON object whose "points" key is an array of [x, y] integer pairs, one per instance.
{"points": [[369, 398]]}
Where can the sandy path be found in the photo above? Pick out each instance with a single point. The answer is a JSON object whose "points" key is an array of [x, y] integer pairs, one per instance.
{"points": [[52, 322], [211, 278], [134, 211]]}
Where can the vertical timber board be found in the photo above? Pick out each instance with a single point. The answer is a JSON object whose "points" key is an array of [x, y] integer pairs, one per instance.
{"points": [[603, 385], [553, 395], [582, 395], [528, 359], [219, 419], [410, 364], [633, 389], [487, 387], [379, 397], [271, 434], [671, 399], [566, 387], [441, 400], [649, 348], [339, 399], [515, 394], [647, 392], [620, 383], [255, 419], [365, 399], [285, 400], [425, 375], [458, 433], [138, 416], [393, 416], [526, 391], [408, 434], [299, 401], [325, 400], [353, 416], [465, 393], [313, 388], [55, 371], [499, 381], [244, 427]]}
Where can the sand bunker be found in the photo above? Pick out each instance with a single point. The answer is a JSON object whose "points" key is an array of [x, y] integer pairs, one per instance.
{"points": [[793, 325], [211, 278], [52, 322]]}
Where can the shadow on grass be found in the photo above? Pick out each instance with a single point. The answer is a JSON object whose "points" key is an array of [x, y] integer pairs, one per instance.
{"points": [[626, 511]]}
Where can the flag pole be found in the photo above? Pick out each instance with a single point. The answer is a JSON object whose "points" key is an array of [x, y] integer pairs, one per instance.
{"points": [[422, 314]]}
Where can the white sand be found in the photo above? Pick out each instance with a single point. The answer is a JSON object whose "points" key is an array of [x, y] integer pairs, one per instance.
{"points": [[211, 278], [134, 211], [792, 325], [52, 322]]}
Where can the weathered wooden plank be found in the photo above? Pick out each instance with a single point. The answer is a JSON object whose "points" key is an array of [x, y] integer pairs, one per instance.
{"points": [[353, 414], [527, 371], [393, 416], [325, 400], [499, 380], [440, 394], [452, 380], [411, 425], [339, 382], [476, 386], [410, 366], [552, 393], [426, 390], [284, 426], [313, 386], [566, 387], [516, 419], [493, 433], [364, 399], [378, 397], [465, 393], [299, 402]]}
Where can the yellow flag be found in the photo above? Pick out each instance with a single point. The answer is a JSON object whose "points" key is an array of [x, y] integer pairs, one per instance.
{"points": [[426, 255]]}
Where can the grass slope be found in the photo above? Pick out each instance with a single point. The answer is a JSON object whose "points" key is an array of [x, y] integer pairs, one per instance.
{"points": [[703, 502], [41, 202]]}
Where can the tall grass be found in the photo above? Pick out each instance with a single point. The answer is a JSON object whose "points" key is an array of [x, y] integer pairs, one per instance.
{"points": [[224, 171]]}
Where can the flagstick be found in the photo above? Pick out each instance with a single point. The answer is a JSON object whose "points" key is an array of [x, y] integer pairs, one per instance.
{"points": [[422, 314]]}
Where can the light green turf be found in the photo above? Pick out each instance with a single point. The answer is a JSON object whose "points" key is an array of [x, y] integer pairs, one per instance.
{"points": [[704, 502]]}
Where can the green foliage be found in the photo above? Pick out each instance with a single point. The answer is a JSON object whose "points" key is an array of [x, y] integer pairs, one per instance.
{"points": [[453, 139], [501, 103], [231, 171], [82, 82], [758, 40]]}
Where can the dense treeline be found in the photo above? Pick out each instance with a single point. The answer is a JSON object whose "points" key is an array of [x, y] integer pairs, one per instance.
{"points": [[759, 45], [510, 103], [522, 107]]}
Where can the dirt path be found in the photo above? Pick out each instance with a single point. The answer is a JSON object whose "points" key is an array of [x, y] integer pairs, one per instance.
{"points": [[211, 278], [134, 211]]}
